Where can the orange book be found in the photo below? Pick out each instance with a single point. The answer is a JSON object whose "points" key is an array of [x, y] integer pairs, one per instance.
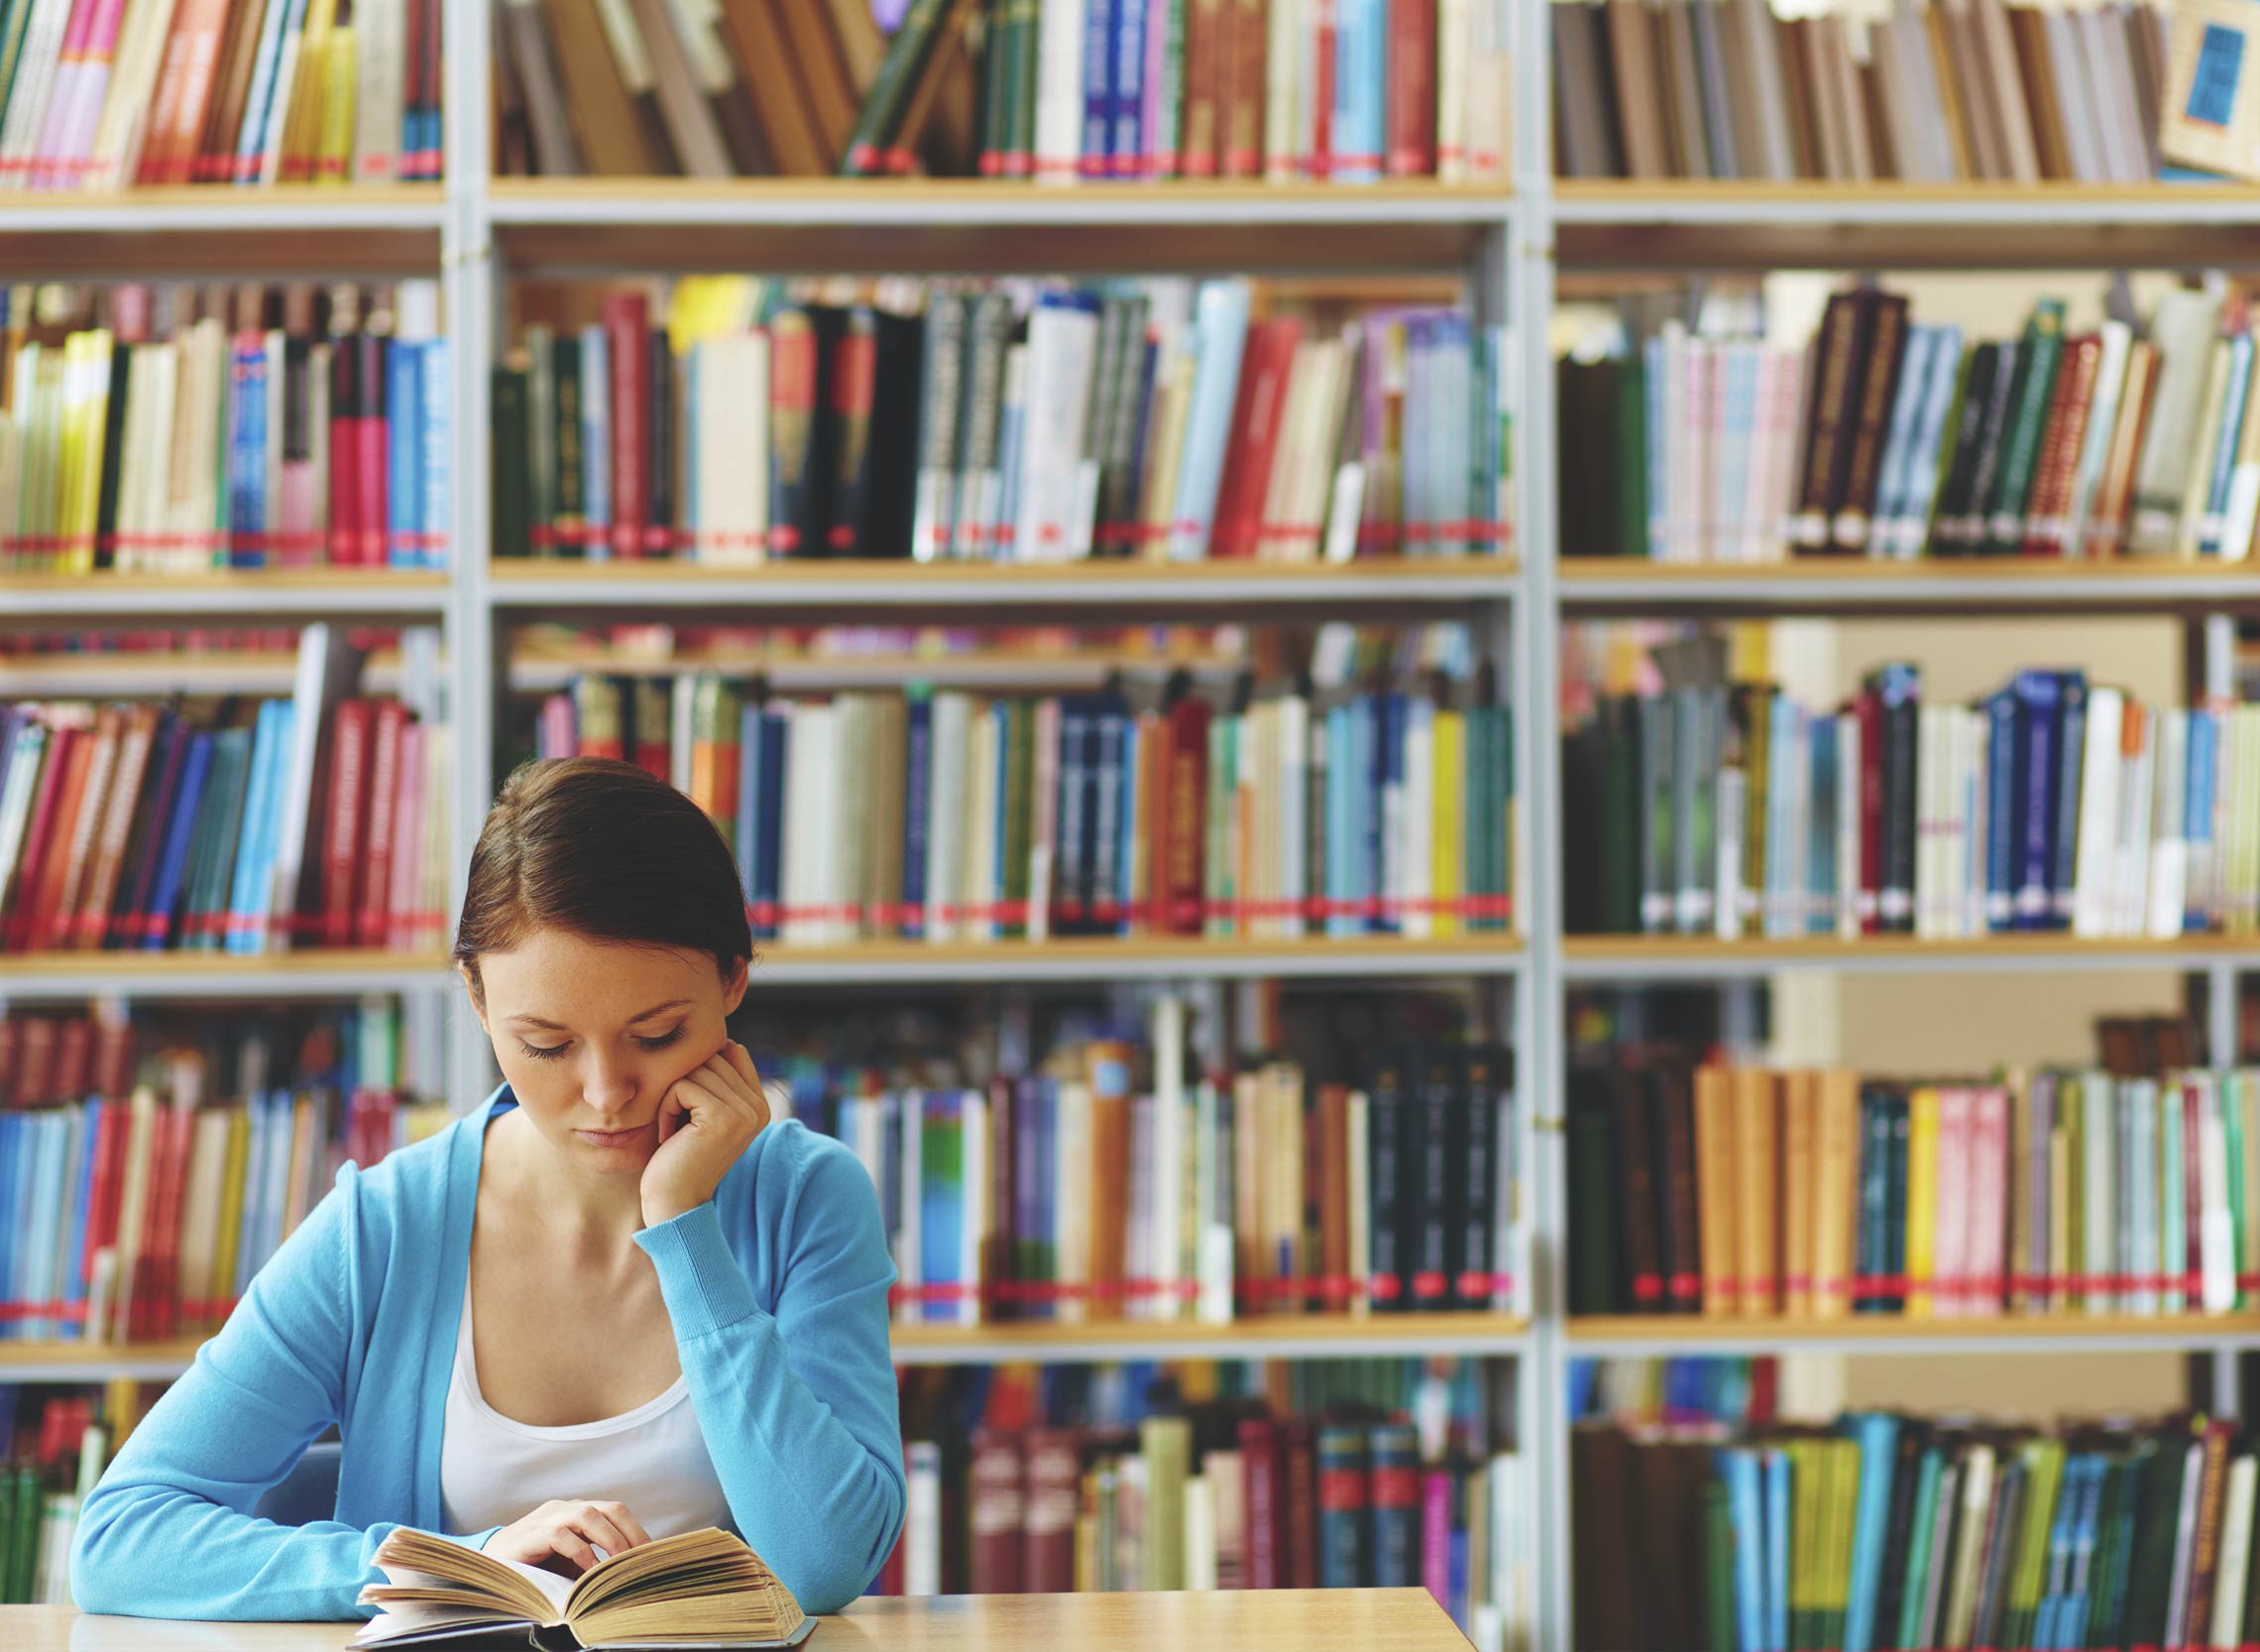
{"points": [[1107, 1071], [79, 844], [1717, 1233], [137, 736], [46, 903], [2114, 490], [1836, 1197], [1801, 1129], [1334, 1196], [1757, 1188]]}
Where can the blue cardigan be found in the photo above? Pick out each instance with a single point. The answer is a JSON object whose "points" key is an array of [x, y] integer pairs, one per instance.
{"points": [[778, 1289]]}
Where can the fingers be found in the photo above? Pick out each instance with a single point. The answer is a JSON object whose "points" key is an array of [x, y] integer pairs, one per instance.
{"points": [[742, 1065], [597, 1526], [625, 1522], [568, 1544]]}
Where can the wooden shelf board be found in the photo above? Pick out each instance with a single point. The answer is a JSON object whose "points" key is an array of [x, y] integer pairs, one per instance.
{"points": [[1090, 958], [1688, 1331], [1674, 956], [1943, 585], [1147, 1339], [284, 975], [215, 230], [355, 592], [851, 227]]}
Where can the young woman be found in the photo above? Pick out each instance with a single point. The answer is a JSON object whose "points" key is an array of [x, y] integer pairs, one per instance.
{"points": [[613, 1304]]}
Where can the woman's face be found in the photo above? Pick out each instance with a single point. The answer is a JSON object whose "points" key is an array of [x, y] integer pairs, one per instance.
{"points": [[591, 1035]]}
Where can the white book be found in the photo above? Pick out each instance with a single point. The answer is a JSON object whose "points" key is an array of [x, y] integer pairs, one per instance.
{"points": [[38, 70], [119, 129], [2135, 825], [1732, 826], [1287, 150], [328, 670], [979, 882], [2217, 1232], [2184, 329], [18, 786], [2102, 419], [946, 816], [1072, 1185], [1063, 346], [1848, 826], [1215, 1250], [2100, 1258], [1358, 1119], [1199, 1529], [1043, 840], [910, 1252], [2093, 879], [973, 1244], [2235, 1554], [2138, 1196], [379, 103], [1059, 90], [808, 759], [1755, 513], [846, 783], [2170, 846], [921, 1518], [1167, 1248]]}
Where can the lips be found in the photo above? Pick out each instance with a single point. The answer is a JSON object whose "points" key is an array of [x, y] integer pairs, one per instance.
{"points": [[612, 1138]]}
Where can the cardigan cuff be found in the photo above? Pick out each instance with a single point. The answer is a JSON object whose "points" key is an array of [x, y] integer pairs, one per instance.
{"points": [[699, 1278]]}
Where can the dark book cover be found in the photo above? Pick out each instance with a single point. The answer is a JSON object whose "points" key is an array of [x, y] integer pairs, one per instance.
{"points": [[663, 437], [1487, 1079], [1832, 406], [1895, 1206], [873, 406], [1595, 1274], [803, 342], [1299, 1503], [512, 515], [2004, 1520], [1993, 439], [1870, 1267], [1394, 1553], [1267, 1530], [565, 441], [2040, 358], [1879, 391], [1900, 688], [1434, 1184], [1671, 1094], [1637, 1188], [2157, 1523], [1914, 1438], [2069, 746], [1389, 1104], [104, 548], [1048, 1511], [1343, 1487], [1952, 533]]}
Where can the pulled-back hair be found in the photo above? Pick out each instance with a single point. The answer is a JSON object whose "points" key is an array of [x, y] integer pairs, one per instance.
{"points": [[602, 849]]}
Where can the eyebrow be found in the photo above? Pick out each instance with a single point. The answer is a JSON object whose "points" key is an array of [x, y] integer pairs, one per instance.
{"points": [[554, 1027]]}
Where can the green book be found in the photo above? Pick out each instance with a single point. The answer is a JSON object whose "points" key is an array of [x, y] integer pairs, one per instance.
{"points": [[1921, 1523], [1021, 41], [2044, 1480], [996, 111], [1168, 104], [219, 832], [541, 438], [29, 1501], [512, 517], [2226, 1097], [1165, 1443], [1594, 1274], [1718, 1570], [1805, 1539], [7, 1534], [900, 69], [565, 429], [1631, 444], [1019, 810], [1843, 1490], [2039, 360]]}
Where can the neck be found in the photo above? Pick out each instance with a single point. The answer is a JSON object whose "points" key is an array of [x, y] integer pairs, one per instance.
{"points": [[593, 1216]]}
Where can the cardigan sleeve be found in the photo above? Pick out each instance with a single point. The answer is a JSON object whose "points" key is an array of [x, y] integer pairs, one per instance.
{"points": [[168, 1531], [797, 1406]]}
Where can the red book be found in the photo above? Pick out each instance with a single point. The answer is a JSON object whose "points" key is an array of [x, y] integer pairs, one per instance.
{"points": [[2194, 1203], [39, 836], [1256, 417], [1048, 1515], [348, 800], [998, 1538], [2065, 434], [854, 390], [1299, 1503], [40, 896], [1179, 880], [1259, 1461], [163, 1302], [383, 803], [373, 460], [110, 1128], [792, 424], [1411, 112], [1867, 707], [344, 455], [1319, 163], [627, 322]]}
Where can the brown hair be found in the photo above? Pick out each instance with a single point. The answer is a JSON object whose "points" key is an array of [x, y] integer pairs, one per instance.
{"points": [[604, 850]]}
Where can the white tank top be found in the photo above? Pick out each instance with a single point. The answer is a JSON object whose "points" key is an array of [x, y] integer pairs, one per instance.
{"points": [[493, 1471]]}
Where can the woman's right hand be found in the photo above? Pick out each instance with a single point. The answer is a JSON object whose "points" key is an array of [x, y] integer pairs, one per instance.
{"points": [[563, 1536]]}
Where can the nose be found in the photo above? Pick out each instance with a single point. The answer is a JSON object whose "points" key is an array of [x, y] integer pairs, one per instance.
{"points": [[609, 1086]]}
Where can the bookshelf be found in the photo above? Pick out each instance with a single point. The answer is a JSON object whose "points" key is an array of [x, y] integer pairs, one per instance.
{"points": [[1518, 249]]}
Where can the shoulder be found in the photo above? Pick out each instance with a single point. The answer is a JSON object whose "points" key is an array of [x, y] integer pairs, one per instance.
{"points": [[406, 1191], [795, 1177]]}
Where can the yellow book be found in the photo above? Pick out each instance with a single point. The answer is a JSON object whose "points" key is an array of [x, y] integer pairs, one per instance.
{"points": [[70, 453], [1804, 1535], [306, 89], [1757, 1188], [1922, 1198], [95, 420], [333, 161], [1835, 1196], [1801, 1129], [225, 1252], [202, 1187], [1446, 869]]}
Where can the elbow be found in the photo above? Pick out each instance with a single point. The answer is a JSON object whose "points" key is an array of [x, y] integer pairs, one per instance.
{"points": [[839, 1578], [101, 1568]]}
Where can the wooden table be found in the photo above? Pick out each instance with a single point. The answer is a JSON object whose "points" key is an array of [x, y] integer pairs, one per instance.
{"points": [[1230, 1620]]}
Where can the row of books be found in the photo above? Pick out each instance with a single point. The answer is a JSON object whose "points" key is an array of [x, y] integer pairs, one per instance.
{"points": [[100, 94], [1930, 92], [1017, 422], [1739, 1191], [1730, 809], [144, 1218], [1896, 440], [1881, 1530], [946, 815], [1062, 92], [53, 1450], [1093, 1191], [239, 826], [260, 439]]}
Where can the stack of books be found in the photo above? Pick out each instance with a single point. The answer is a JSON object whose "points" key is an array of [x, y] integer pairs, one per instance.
{"points": [[1155, 421], [236, 824], [1109, 1186], [1886, 1531], [97, 95], [946, 816], [292, 429], [1740, 1191], [54, 1447], [1896, 440], [1062, 92], [1931, 91], [1722, 809], [141, 1210]]}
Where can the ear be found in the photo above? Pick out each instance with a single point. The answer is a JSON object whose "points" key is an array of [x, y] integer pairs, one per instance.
{"points": [[471, 991], [733, 989]]}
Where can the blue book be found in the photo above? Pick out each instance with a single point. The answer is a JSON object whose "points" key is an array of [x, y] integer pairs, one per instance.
{"points": [[254, 1178], [1899, 440], [1821, 839], [1106, 817], [1878, 1435], [403, 454], [2070, 744], [1047, 1192], [1343, 1561], [82, 1197], [2223, 463], [1027, 1145], [918, 785], [161, 916], [1341, 771], [1361, 46], [1100, 18], [1920, 491], [2001, 809], [596, 440], [1777, 1468], [435, 425], [1745, 1514], [1393, 1559], [11, 1127], [941, 1200], [2086, 1538], [2056, 1571], [1658, 423], [247, 454], [776, 741], [1129, 155], [751, 725], [247, 891], [1220, 330], [1786, 732], [2039, 725], [283, 21], [2198, 818], [1874, 1243]]}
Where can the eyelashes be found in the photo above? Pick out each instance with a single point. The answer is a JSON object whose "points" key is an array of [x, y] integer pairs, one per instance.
{"points": [[556, 1052]]}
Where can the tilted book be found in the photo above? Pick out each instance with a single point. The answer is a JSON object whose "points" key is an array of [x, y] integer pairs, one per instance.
{"points": [[700, 1588]]}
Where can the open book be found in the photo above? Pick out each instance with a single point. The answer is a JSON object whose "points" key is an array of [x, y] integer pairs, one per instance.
{"points": [[701, 1589]]}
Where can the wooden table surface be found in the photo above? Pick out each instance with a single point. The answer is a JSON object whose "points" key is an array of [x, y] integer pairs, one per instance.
{"points": [[1227, 1620]]}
